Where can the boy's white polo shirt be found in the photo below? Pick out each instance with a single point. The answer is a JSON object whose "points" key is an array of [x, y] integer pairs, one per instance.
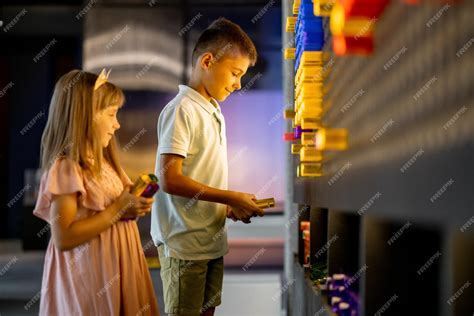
{"points": [[192, 127]]}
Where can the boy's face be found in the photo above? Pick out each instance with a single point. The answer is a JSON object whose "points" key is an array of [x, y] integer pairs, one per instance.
{"points": [[221, 76]]}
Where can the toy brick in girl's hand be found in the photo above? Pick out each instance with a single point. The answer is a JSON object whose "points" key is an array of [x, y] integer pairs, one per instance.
{"points": [[145, 186]]}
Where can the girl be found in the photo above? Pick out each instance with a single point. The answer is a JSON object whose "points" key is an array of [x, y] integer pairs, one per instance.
{"points": [[94, 264]]}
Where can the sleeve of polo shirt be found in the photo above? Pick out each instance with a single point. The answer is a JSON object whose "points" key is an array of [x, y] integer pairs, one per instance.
{"points": [[175, 132]]}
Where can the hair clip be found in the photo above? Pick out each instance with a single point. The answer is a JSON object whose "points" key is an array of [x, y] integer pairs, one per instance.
{"points": [[103, 77]]}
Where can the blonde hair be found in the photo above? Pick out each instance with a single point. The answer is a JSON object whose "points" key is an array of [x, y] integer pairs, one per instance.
{"points": [[69, 130]]}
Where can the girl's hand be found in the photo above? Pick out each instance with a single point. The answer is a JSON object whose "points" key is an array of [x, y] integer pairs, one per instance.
{"points": [[131, 206]]}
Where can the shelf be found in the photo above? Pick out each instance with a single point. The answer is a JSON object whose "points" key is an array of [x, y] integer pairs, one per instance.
{"points": [[385, 191]]}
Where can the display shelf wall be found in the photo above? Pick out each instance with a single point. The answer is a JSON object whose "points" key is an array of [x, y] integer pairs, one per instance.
{"points": [[401, 203]]}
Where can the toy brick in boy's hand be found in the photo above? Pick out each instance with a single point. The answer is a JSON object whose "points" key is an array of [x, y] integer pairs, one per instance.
{"points": [[145, 186], [265, 203]]}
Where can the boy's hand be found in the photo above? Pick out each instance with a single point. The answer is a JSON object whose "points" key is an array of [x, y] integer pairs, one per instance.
{"points": [[231, 215], [244, 207]]}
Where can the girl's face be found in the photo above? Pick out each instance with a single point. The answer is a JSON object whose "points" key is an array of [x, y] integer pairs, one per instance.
{"points": [[106, 123]]}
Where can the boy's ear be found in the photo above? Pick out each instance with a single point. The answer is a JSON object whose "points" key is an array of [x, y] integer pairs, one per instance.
{"points": [[206, 60]]}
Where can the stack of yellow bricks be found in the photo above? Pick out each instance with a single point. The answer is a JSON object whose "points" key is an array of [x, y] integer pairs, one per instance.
{"points": [[308, 103]]}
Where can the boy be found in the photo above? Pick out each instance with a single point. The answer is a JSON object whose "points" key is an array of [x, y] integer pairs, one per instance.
{"points": [[188, 217]]}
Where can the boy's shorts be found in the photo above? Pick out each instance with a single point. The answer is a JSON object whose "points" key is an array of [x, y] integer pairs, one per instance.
{"points": [[190, 286]]}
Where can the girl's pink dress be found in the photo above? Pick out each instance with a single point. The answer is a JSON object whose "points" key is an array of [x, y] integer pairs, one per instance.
{"points": [[108, 275]]}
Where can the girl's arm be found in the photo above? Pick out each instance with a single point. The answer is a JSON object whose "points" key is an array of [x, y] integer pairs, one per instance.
{"points": [[68, 233]]}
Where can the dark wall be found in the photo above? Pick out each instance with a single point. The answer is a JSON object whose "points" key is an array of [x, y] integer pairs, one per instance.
{"points": [[24, 112]]}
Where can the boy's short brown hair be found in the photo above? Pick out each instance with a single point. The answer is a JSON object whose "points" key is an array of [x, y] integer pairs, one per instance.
{"points": [[221, 36]]}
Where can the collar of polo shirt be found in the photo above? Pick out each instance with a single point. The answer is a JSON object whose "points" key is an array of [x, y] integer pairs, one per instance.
{"points": [[210, 106]]}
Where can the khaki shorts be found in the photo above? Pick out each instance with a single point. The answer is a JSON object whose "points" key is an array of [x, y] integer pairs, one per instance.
{"points": [[190, 286]]}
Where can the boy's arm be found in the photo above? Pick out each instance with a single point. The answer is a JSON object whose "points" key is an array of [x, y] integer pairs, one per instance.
{"points": [[174, 182]]}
